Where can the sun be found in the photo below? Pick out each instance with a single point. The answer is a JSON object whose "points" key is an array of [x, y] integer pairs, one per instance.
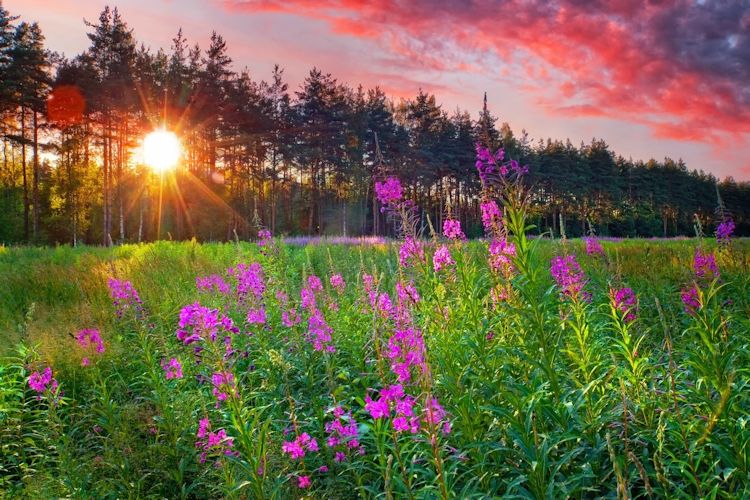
{"points": [[161, 150]]}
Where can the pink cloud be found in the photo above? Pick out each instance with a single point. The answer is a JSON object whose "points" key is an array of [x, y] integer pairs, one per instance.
{"points": [[614, 58]]}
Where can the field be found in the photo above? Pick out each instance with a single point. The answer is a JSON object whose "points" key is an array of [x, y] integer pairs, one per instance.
{"points": [[388, 380]]}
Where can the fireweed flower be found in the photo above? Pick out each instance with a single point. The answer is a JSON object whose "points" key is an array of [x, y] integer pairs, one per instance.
{"points": [[264, 237], [303, 482], [624, 300], [90, 337], [406, 351], [256, 316], [250, 281], [704, 265], [593, 247], [300, 446], [690, 299], [319, 332], [213, 443], [491, 216], [452, 229], [501, 253], [487, 162], [388, 192], [44, 382], [172, 368], [199, 323], [223, 383], [124, 297], [569, 276], [343, 433], [724, 231], [434, 416], [211, 283], [337, 282], [410, 249]]}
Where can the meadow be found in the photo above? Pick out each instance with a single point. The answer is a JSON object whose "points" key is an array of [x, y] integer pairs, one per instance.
{"points": [[414, 368]]}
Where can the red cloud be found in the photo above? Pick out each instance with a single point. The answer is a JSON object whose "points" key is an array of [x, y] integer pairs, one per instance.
{"points": [[658, 63]]}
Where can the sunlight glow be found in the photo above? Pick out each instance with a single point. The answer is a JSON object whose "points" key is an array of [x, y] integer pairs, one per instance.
{"points": [[161, 150]]}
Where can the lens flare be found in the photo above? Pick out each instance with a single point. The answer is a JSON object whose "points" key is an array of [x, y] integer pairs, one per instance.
{"points": [[161, 150]]}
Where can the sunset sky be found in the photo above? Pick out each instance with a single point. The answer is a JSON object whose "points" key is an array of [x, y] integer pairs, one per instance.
{"points": [[654, 79]]}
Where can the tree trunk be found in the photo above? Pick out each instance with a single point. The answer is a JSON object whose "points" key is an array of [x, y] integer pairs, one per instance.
{"points": [[35, 182], [25, 180]]}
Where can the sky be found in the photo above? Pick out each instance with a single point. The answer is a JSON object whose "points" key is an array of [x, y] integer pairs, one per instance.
{"points": [[653, 79]]}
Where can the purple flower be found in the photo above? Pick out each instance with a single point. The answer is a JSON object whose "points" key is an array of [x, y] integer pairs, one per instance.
{"points": [[212, 282], [256, 316], [452, 229], [213, 443], [569, 276], [319, 332], [442, 258], [124, 297], [377, 409], [388, 192], [264, 237], [690, 299], [410, 249], [223, 383], [44, 382], [501, 253], [406, 351], [303, 482], [704, 265], [491, 216], [90, 337], [200, 323], [593, 247], [250, 280], [337, 282], [725, 230], [624, 300], [172, 368], [303, 443]]}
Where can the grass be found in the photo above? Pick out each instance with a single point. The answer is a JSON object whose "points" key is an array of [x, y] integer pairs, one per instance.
{"points": [[546, 396]]}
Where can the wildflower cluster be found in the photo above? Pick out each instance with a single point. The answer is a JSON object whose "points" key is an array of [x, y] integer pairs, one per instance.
{"points": [[388, 192], [302, 444], [319, 332], [569, 277], [343, 434], [492, 217], [125, 298], [90, 338], [452, 230], [624, 300], [214, 444], [211, 283], [198, 323], [594, 247], [45, 383], [442, 258], [172, 368], [411, 250], [724, 231]]}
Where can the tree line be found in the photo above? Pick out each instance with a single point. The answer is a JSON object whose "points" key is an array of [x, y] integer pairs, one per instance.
{"points": [[257, 154]]}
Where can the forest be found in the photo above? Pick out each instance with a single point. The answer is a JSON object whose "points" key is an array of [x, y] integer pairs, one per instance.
{"points": [[257, 154]]}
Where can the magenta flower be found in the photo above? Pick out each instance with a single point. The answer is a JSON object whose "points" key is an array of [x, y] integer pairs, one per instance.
{"points": [[342, 432], [452, 229], [593, 247], [410, 249], [264, 237], [200, 323], [90, 337], [223, 383], [124, 297], [256, 316], [704, 265], [491, 216], [624, 300], [319, 332], [501, 253], [250, 281], [211, 283], [569, 276], [690, 299], [377, 409], [303, 443], [337, 282], [213, 443], [724, 231], [44, 382], [303, 482], [172, 368], [406, 351], [388, 192]]}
